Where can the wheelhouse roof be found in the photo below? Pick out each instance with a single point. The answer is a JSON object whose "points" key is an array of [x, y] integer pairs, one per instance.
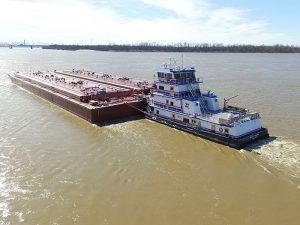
{"points": [[176, 70]]}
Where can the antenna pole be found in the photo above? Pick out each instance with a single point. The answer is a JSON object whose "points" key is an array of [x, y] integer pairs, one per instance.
{"points": [[182, 61]]}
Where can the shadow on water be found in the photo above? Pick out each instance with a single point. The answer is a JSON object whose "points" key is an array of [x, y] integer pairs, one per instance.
{"points": [[120, 121], [258, 145]]}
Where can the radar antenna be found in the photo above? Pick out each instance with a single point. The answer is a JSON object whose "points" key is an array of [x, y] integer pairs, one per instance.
{"points": [[171, 65]]}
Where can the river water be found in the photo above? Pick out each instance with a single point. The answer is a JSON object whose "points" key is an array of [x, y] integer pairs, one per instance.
{"points": [[56, 168]]}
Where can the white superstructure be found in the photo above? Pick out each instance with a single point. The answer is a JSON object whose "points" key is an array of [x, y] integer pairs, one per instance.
{"points": [[177, 97]]}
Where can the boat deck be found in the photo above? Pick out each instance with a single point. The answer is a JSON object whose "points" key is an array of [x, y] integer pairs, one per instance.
{"points": [[85, 86], [46, 85]]}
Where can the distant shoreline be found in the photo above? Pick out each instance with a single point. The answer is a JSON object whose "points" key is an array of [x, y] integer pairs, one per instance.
{"points": [[204, 48]]}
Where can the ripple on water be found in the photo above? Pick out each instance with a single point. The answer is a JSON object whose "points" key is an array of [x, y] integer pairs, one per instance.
{"points": [[10, 189], [282, 154], [4, 210]]}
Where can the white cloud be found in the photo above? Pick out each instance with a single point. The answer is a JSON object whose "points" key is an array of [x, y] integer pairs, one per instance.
{"points": [[185, 8], [79, 21]]}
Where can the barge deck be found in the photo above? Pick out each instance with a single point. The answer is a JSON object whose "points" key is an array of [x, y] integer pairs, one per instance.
{"points": [[91, 99]]}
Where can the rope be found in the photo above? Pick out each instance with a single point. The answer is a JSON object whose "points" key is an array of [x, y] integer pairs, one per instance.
{"points": [[144, 112]]}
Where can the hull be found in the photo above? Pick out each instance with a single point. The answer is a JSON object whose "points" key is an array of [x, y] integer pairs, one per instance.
{"points": [[237, 143], [83, 110]]}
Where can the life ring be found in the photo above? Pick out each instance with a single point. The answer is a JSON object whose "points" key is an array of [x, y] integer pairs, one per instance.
{"points": [[221, 129]]}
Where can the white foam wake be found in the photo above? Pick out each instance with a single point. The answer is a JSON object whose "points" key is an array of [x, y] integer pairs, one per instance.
{"points": [[283, 154]]}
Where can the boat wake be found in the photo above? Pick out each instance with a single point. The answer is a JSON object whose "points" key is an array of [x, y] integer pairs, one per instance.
{"points": [[283, 154]]}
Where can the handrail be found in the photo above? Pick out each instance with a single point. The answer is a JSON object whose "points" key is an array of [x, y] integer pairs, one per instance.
{"points": [[179, 82]]}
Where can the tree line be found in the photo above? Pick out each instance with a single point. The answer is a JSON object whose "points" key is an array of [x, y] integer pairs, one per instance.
{"points": [[181, 47]]}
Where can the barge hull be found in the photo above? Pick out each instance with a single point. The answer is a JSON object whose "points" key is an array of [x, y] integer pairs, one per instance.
{"points": [[93, 115], [236, 143]]}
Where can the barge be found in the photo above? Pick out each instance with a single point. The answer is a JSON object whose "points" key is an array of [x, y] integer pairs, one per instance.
{"points": [[177, 101], [95, 97]]}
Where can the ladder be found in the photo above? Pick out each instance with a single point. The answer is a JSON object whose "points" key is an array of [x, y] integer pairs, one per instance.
{"points": [[191, 90], [202, 103]]}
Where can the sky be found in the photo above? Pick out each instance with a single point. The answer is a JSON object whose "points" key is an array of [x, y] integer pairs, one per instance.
{"points": [[161, 21]]}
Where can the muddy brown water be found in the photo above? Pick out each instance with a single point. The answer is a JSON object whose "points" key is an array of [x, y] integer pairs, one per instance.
{"points": [[56, 168]]}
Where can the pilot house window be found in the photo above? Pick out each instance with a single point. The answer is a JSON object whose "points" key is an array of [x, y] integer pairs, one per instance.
{"points": [[160, 75], [161, 87], [177, 76], [168, 75]]}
